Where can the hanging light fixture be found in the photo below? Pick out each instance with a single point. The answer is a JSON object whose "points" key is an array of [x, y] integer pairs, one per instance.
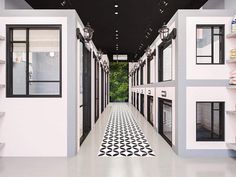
{"points": [[148, 51], [88, 33], [99, 54], [165, 34], [140, 62]]}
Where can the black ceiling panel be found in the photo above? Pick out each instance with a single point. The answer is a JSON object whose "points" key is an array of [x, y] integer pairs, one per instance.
{"points": [[137, 21]]}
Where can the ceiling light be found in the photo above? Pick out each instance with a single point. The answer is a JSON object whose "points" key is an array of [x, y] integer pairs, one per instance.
{"points": [[117, 31], [116, 6], [116, 13], [165, 3], [161, 11], [63, 3], [117, 38], [117, 35]]}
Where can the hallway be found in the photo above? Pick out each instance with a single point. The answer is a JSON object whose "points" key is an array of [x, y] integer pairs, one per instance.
{"points": [[87, 163]]}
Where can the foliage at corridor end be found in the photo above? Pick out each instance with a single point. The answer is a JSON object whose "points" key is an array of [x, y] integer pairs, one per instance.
{"points": [[119, 82]]}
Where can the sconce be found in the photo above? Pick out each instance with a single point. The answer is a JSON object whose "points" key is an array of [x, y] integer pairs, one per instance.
{"points": [[99, 54], [88, 33], [165, 34], [148, 52]]}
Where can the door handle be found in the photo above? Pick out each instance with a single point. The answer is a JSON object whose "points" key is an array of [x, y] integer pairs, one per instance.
{"points": [[81, 106]]}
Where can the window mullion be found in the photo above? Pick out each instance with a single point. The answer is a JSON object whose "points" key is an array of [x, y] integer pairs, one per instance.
{"points": [[212, 45], [27, 61]]}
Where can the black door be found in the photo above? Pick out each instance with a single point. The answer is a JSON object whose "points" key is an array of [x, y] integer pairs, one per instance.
{"points": [[96, 90], [142, 104], [138, 101], [134, 99], [102, 90], [150, 109], [86, 93], [165, 119]]}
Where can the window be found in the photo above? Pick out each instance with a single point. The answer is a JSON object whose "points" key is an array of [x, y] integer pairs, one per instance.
{"points": [[165, 119], [33, 61], [138, 76], [165, 62], [210, 121], [141, 74], [150, 69], [210, 44]]}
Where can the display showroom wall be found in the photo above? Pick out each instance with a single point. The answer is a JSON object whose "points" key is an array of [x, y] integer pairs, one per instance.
{"points": [[192, 83], [44, 126]]}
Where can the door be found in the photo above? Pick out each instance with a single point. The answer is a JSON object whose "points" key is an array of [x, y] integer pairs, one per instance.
{"points": [[138, 101], [142, 104], [86, 93], [165, 119], [150, 110], [102, 90], [96, 90]]}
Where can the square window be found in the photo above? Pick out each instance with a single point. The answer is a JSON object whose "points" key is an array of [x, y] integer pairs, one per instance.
{"points": [[34, 61], [210, 44], [210, 121]]}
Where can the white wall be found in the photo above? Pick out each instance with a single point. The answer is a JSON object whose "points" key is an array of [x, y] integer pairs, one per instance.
{"points": [[16, 4], [230, 4], [194, 71], [214, 4], [35, 126], [195, 94]]}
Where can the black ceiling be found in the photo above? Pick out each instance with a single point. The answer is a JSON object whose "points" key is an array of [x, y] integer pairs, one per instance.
{"points": [[137, 21]]}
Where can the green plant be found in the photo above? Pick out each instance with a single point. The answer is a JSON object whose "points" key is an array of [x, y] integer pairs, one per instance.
{"points": [[119, 81]]}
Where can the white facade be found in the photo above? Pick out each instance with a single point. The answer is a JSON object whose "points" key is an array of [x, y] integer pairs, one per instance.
{"points": [[192, 83]]}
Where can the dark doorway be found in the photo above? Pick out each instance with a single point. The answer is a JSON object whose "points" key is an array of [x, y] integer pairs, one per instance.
{"points": [[142, 104], [150, 109], [134, 99], [96, 90], [138, 101], [86, 93], [102, 89], [165, 119]]}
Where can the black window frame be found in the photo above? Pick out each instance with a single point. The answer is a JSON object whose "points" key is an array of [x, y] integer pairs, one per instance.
{"points": [[9, 63], [137, 76], [161, 48], [149, 59], [161, 103], [221, 44], [221, 121], [141, 74]]}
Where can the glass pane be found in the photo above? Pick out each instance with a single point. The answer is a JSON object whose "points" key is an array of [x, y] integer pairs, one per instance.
{"points": [[44, 88], [216, 124], [44, 55], [201, 60], [167, 63], [167, 120], [151, 109], [217, 49], [204, 42], [19, 35], [203, 121], [152, 67], [216, 30], [19, 68], [216, 105]]}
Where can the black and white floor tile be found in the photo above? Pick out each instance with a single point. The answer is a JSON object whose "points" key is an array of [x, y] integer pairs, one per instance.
{"points": [[123, 136]]}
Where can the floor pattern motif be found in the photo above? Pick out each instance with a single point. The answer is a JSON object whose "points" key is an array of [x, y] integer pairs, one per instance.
{"points": [[123, 136]]}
